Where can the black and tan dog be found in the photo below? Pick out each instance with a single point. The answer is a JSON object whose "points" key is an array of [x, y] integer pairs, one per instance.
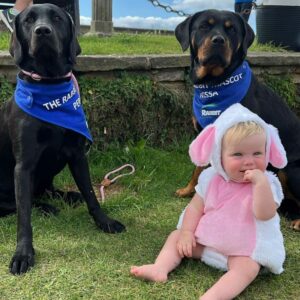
{"points": [[33, 151], [218, 42]]}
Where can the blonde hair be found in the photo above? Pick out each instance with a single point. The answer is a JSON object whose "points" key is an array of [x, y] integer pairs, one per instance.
{"points": [[241, 130]]}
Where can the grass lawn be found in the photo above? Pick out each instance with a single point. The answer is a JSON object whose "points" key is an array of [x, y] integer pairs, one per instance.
{"points": [[76, 261], [128, 44]]}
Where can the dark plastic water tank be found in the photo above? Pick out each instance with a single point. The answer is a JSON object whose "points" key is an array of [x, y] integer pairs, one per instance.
{"points": [[279, 24]]}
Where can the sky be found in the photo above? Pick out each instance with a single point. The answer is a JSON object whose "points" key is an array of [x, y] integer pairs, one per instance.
{"points": [[142, 14]]}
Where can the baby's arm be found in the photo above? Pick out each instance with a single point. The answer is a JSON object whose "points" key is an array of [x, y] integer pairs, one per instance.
{"points": [[264, 206], [192, 215]]}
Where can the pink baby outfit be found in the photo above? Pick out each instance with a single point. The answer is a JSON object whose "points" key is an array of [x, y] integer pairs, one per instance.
{"points": [[228, 218], [228, 226]]}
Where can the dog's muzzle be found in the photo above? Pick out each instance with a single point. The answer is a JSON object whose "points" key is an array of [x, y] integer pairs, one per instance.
{"points": [[218, 40], [43, 30], [43, 38]]}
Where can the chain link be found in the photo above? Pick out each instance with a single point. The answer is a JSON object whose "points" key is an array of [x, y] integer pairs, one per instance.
{"points": [[181, 13], [169, 9]]}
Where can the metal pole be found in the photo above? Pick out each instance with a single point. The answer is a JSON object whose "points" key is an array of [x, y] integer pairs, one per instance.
{"points": [[101, 18]]}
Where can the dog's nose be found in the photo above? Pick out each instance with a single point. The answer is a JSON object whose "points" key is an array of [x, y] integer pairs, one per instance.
{"points": [[218, 40], [42, 30]]}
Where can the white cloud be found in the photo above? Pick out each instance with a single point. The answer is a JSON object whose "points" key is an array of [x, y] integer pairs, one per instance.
{"points": [[148, 23], [85, 20]]}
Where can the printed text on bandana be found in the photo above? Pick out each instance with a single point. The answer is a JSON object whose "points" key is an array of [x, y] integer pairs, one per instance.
{"points": [[62, 100], [229, 80], [211, 94], [57, 104], [211, 100]]}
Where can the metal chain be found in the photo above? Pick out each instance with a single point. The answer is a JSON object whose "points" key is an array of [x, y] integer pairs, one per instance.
{"points": [[181, 13], [169, 9]]}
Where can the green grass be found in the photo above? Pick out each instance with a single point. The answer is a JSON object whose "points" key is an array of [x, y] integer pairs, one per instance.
{"points": [[76, 261], [128, 44]]}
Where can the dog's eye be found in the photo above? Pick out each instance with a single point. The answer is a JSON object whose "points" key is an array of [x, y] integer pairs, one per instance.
{"points": [[57, 18], [231, 29], [29, 20], [204, 26]]}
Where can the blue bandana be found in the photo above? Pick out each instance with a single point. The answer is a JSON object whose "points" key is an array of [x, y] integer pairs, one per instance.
{"points": [[210, 101], [58, 104]]}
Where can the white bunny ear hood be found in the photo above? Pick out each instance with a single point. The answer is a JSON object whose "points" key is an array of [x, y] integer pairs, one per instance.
{"points": [[206, 148]]}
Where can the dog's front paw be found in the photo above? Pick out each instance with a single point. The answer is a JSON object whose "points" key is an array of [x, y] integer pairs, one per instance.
{"points": [[185, 192], [22, 260], [111, 226], [295, 224]]}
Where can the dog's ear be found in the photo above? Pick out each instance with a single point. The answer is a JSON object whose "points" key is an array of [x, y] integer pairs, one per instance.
{"points": [[15, 48], [74, 45], [182, 33], [248, 35]]}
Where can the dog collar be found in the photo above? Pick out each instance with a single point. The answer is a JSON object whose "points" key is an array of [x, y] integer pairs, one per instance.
{"points": [[211, 100], [58, 104], [38, 77]]}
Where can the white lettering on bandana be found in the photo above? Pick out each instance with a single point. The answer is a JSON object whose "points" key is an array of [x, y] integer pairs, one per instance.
{"points": [[211, 100], [58, 104]]}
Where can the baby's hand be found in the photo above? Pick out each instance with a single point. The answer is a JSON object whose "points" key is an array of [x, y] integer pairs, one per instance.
{"points": [[186, 243], [254, 176]]}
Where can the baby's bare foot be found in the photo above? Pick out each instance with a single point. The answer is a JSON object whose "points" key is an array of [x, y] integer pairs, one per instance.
{"points": [[149, 272]]}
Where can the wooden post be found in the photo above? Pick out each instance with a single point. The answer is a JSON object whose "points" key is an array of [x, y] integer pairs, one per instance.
{"points": [[101, 17]]}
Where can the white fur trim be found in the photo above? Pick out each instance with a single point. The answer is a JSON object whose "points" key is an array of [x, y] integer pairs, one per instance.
{"points": [[269, 251], [204, 180], [214, 259], [275, 187]]}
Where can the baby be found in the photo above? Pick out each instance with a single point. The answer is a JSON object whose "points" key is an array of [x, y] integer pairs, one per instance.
{"points": [[231, 223]]}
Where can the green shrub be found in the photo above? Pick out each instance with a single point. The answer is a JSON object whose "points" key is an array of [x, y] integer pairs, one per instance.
{"points": [[6, 90], [131, 109], [285, 88], [135, 108]]}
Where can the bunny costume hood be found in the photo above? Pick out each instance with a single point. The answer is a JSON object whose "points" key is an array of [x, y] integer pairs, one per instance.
{"points": [[206, 148]]}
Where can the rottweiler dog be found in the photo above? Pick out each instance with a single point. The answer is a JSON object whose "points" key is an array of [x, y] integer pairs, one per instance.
{"points": [[32, 150], [218, 42]]}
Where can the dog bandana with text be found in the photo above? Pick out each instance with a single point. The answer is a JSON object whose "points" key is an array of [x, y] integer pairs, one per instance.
{"points": [[58, 104], [210, 101]]}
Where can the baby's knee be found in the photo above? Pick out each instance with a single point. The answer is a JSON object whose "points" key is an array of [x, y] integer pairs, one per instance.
{"points": [[245, 266], [252, 273], [174, 234], [251, 270]]}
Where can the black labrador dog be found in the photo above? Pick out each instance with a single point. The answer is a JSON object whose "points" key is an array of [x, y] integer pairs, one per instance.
{"points": [[218, 42], [33, 151]]}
